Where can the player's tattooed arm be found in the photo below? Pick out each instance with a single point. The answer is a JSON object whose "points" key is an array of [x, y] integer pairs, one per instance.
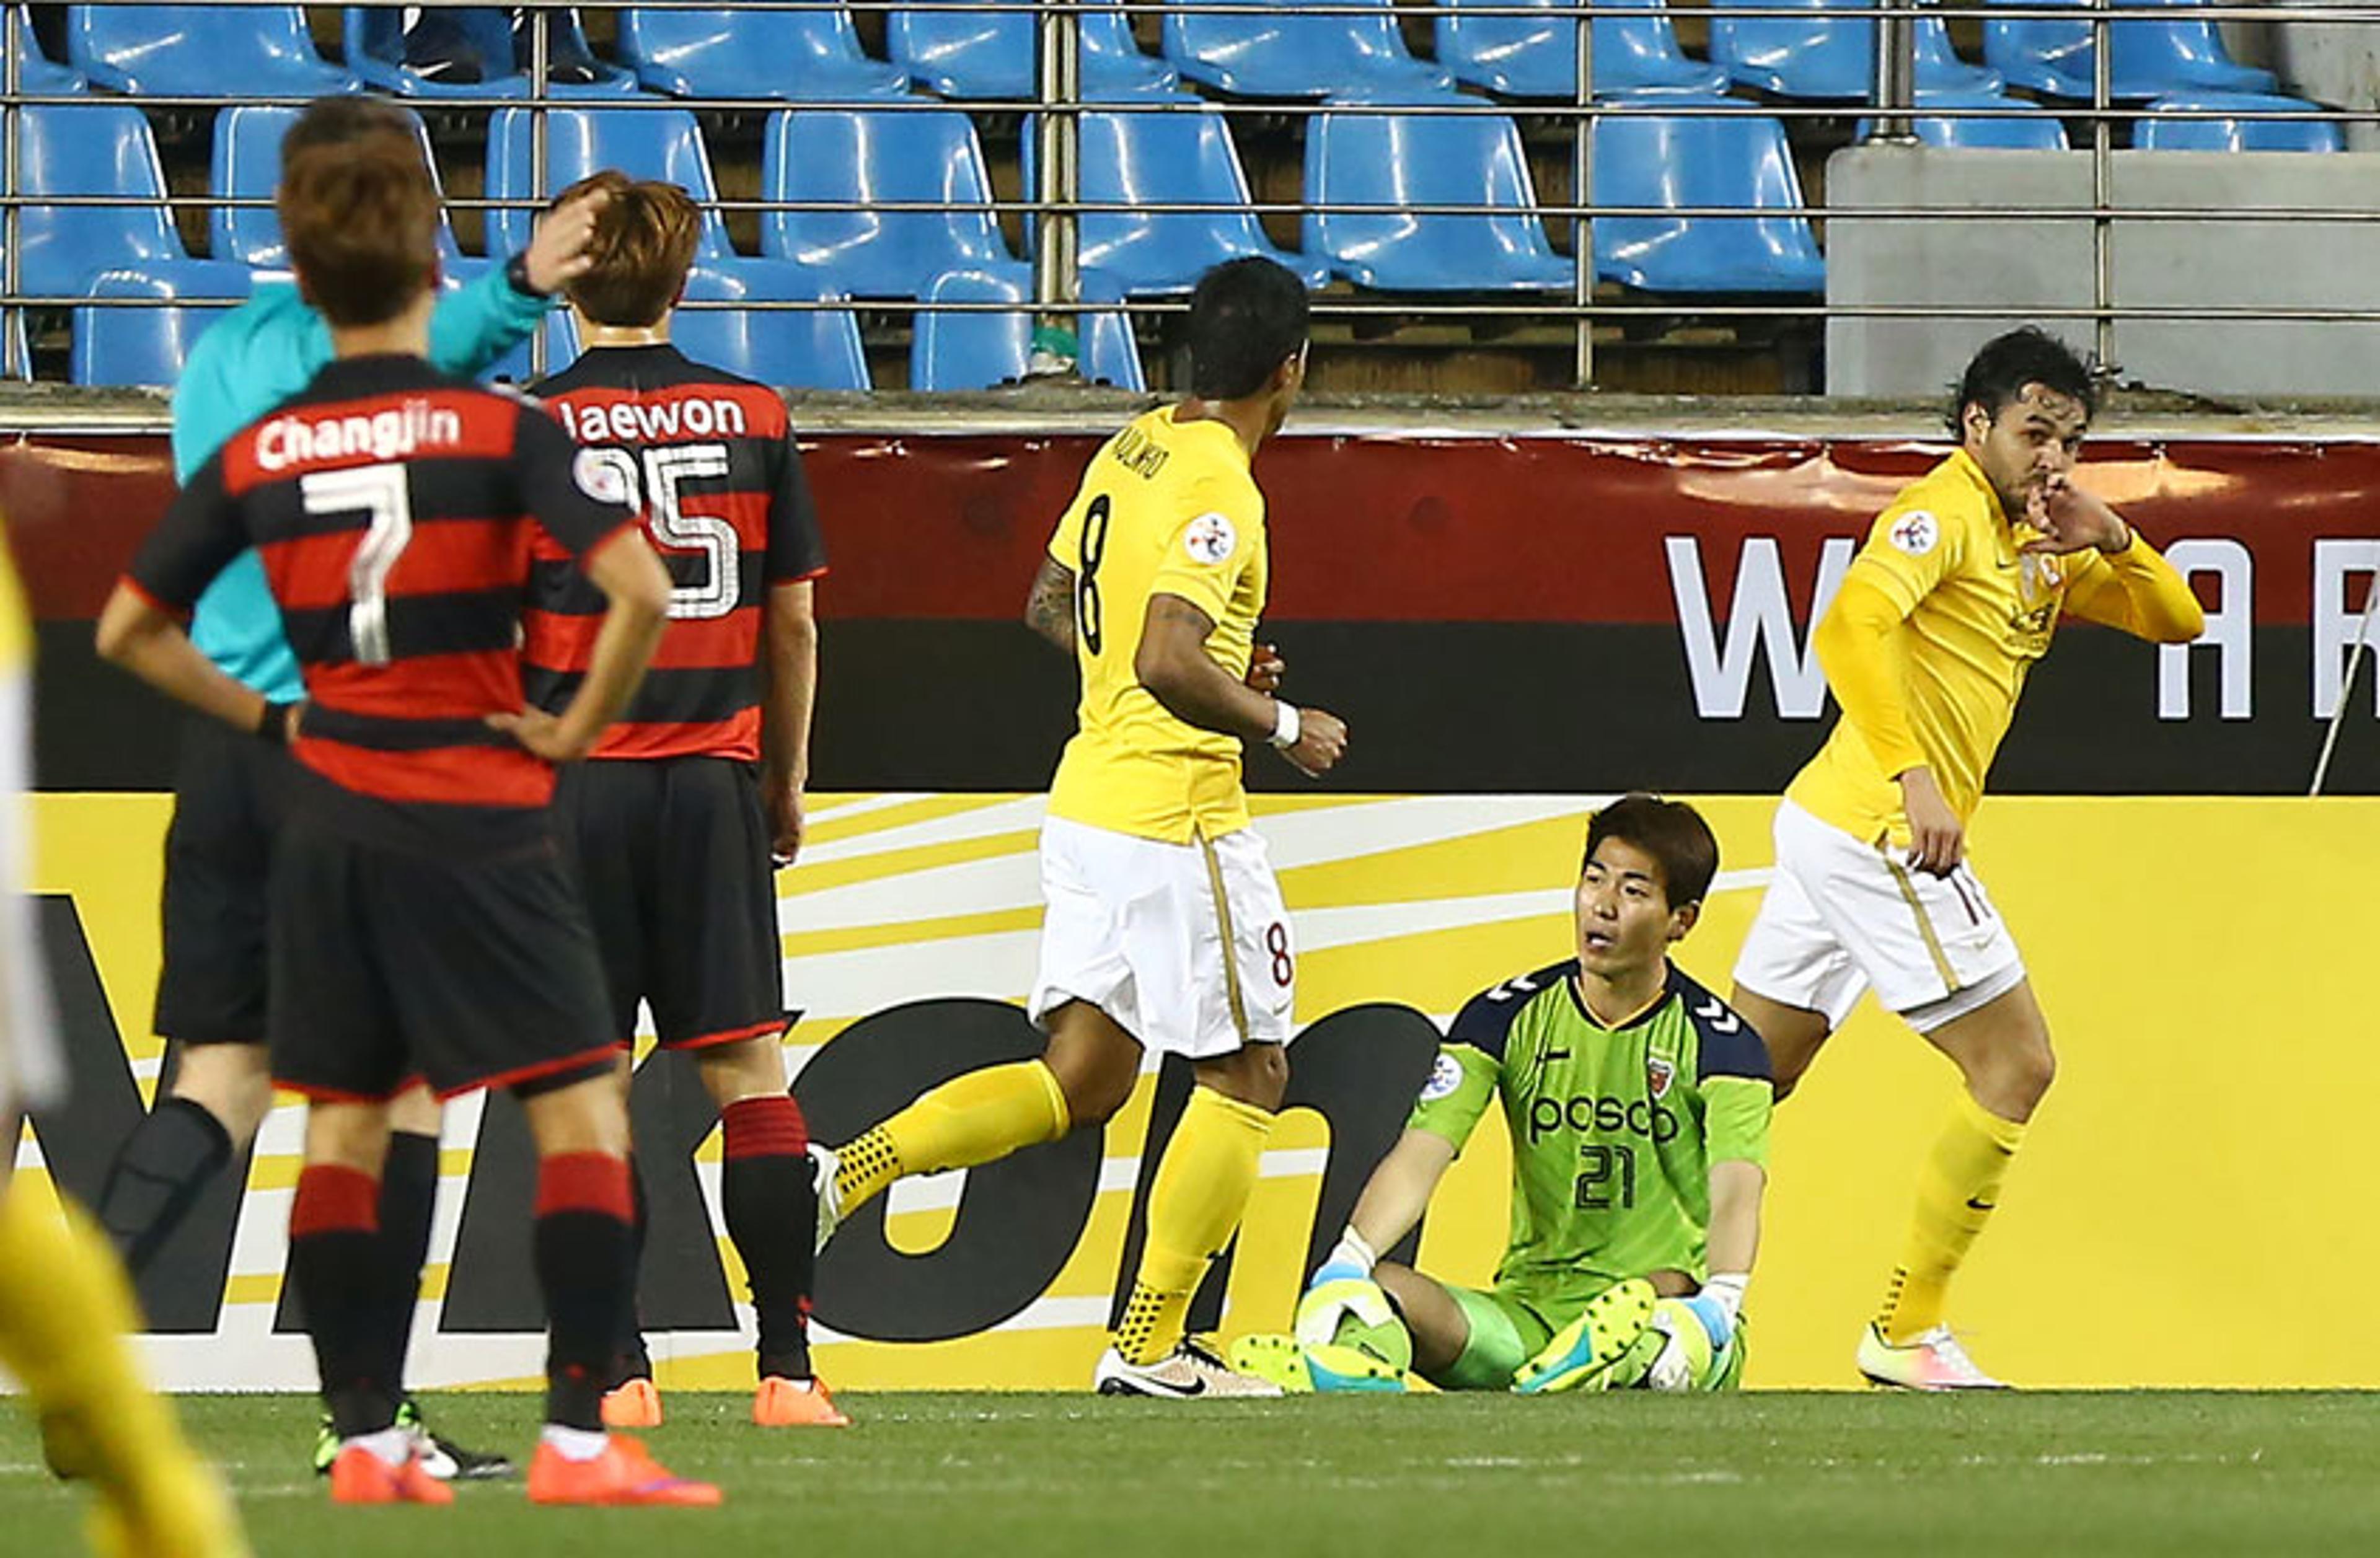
{"points": [[1049, 609]]}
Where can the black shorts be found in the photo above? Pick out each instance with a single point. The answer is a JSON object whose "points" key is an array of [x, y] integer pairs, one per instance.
{"points": [[673, 855], [390, 964], [231, 796]]}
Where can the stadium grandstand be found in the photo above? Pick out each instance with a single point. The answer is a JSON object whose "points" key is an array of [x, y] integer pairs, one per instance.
{"points": [[904, 191]]}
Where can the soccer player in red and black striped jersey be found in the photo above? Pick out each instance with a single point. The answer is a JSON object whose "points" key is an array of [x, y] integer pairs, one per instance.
{"points": [[422, 920], [678, 812]]}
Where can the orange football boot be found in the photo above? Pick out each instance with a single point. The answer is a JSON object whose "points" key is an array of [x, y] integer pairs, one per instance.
{"points": [[782, 1403]]}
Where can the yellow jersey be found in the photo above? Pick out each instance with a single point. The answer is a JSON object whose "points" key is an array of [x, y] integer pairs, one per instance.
{"points": [[1974, 613], [1166, 507]]}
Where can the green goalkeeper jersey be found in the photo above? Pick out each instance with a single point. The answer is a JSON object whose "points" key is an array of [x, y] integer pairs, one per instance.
{"points": [[1614, 1129]]}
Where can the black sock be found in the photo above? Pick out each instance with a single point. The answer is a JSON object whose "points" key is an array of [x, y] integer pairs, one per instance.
{"points": [[583, 1243], [771, 1200], [630, 1357], [409, 1199], [334, 1249], [165, 1162]]}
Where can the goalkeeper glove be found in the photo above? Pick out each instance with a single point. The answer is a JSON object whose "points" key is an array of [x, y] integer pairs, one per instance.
{"points": [[1690, 1361], [1343, 1289]]}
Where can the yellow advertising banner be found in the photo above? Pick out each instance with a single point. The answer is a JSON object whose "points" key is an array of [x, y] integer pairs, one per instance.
{"points": [[2197, 1166]]}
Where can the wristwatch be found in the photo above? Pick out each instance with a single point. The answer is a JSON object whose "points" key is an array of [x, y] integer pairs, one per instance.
{"points": [[517, 272]]}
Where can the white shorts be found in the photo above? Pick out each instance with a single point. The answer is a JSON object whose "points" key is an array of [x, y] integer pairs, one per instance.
{"points": [[1139, 928], [1841, 917]]}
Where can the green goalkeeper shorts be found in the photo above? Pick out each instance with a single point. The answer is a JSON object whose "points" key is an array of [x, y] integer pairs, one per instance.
{"points": [[1507, 1327]]}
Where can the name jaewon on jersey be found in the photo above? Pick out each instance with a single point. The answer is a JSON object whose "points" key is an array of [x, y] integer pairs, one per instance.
{"points": [[654, 421], [389, 434]]}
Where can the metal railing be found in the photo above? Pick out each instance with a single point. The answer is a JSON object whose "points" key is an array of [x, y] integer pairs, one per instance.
{"points": [[1055, 207]]}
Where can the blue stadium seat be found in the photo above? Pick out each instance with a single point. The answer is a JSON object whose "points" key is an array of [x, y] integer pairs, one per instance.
{"points": [[1404, 160], [2235, 135], [813, 349], [374, 38], [665, 143], [200, 51], [1940, 123], [1269, 51], [37, 74], [246, 165], [98, 149], [992, 53], [1537, 57], [2146, 58], [821, 154], [791, 56], [1662, 160], [147, 345], [1829, 55], [979, 350], [1124, 160], [810, 348]]}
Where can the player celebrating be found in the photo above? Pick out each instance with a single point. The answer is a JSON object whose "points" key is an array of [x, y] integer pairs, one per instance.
{"points": [[63, 1304], [1638, 1109], [671, 829], [422, 921], [211, 995], [1165, 928], [1954, 596]]}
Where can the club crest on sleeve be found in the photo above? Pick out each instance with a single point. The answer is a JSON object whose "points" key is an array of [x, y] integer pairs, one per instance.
{"points": [[1445, 1075], [1659, 1072], [598, 477], [1916, 532], [1210, 539]]}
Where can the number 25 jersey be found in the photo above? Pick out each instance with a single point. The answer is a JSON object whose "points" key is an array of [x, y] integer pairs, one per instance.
{"points": [[1166, 507], [1614, 1129]]}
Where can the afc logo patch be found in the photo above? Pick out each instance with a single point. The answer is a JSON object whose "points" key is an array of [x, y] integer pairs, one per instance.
{"points": [[1210, 539], [1915, 533], [1445, 1075], [1659, 1072], [601, 477]]}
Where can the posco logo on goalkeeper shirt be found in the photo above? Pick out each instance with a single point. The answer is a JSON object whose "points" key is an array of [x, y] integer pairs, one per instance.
{"points": [[384, 435], [1586, 1111]]}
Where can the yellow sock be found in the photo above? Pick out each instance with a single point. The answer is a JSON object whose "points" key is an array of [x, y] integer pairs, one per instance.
{"points": [[1195, 1206], [64, 1310], [1956, 1193], [968, 1120]]}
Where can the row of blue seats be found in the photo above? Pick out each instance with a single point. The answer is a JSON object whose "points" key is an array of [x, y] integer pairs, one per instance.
{"points": [[1359, 157], [809, 349], [213, 52]]}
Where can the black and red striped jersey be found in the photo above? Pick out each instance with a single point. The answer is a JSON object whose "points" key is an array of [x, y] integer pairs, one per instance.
{"points": [[395, 509], [712, 459]]}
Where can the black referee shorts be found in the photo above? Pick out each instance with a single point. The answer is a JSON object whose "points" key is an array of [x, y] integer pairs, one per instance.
{"points": [[231, 796], [389, 963], [673, 855]]}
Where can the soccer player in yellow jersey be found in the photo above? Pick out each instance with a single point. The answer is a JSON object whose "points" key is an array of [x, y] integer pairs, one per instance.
{"points": [[1165, 928], [65, 1305], [1953, 599]]}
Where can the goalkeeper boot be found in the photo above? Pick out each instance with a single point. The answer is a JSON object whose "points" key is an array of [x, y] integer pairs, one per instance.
{"points": [[1299, 1370], [180, 1511], [1584, 1353], [1935, 1362], [1189, 1373]]}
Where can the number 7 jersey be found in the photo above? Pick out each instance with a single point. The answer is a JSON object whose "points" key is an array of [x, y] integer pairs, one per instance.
{"points": [[1166, 507], [1613, 1129]]}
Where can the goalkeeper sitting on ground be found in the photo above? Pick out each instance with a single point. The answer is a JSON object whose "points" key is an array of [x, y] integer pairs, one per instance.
{"points": [[1638, 1107]]}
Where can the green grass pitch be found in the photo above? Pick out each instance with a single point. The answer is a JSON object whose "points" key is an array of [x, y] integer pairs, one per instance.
{"points": [[1055, 1476]]}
